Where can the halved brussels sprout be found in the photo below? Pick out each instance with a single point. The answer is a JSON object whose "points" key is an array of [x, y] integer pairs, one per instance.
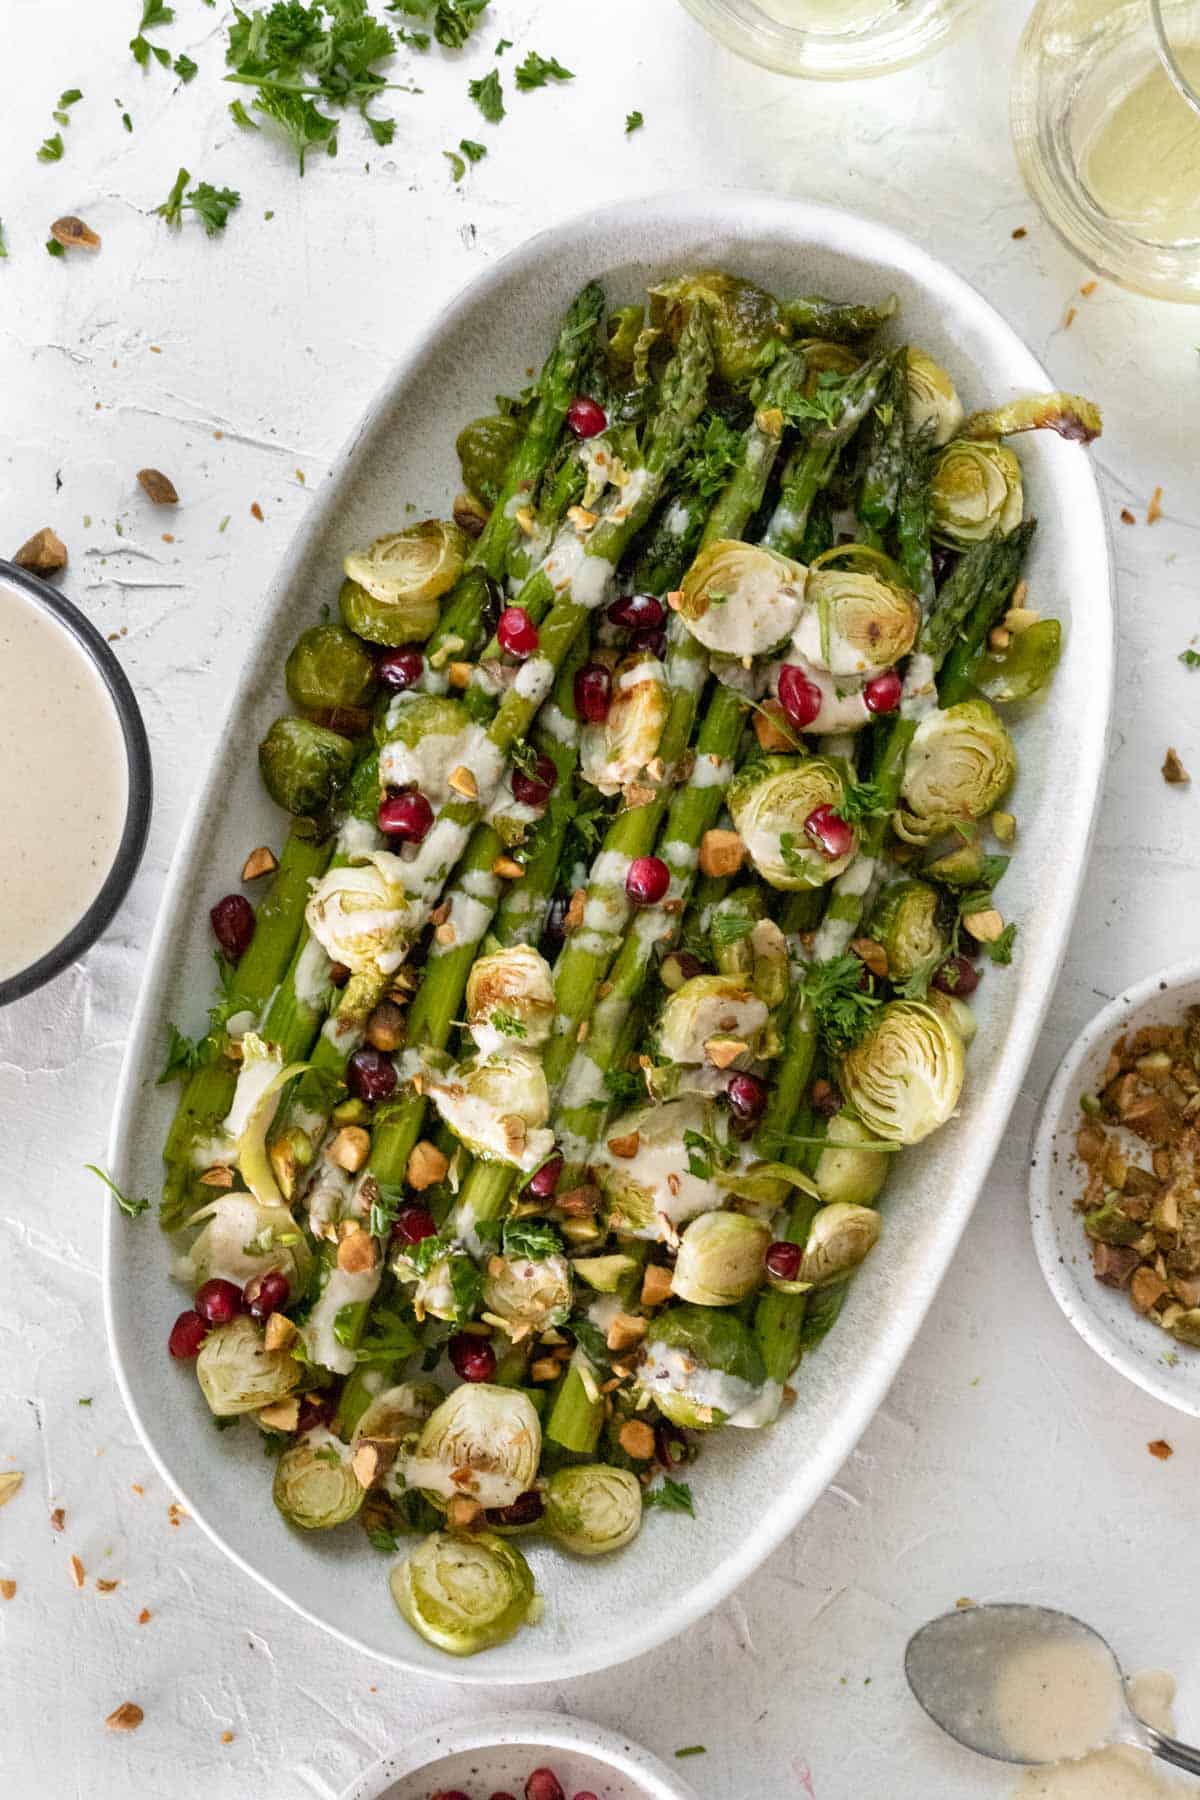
{"points": [[772, 963], [903, 1079], [825, 356], [448, 1289], [485, 449], [975, 490], [960, 764], [707, 1007], [741, 599], [840, 1237], [328, 666], [238, 1374], [905, 923], [606, 1274], [856, 623], [846, 1171], [315, 1488], [700, 1366], [1070, 415], [510, 997], [722, 1259], [498, 1109], [464, 1594], [664, 1173], [392, 589], [241, 1240], [528, 1293], [771, 801], [360, 914], [933, 403], [1024, 668], [615, 753], [422, 740], [592, 1508], [745, 319], [483, 1441], [303, 765], [260, 1083]]}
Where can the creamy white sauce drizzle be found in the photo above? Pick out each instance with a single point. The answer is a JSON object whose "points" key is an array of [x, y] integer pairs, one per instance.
{"points": [[919, 695], [711, 771], [311, 976], [357, 839], [341, 1289]]}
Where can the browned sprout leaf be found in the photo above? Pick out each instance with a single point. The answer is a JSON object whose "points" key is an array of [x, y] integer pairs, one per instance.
{"points": [[158, 487], [42, 554], [1070, 415], [73, 234]]}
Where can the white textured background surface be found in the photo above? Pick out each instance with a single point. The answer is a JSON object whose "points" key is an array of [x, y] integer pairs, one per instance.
{"points": [[1007, 1461]]}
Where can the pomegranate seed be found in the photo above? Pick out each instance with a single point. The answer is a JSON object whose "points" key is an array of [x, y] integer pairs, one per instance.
{"points": [[543, 1183], [315, 1409], [799, 697], [218, 1301], [405, 816], [370, 1075], [649, 643], [828, 832], [593, 693], [233, 926], [747, 1095], [783, 1260], [648, 880], [268, 1294], [535, 789], [526, 1509], [945, 561], [544, 1784], [187, 1334], [882, 695], [586, 417], [412, 1224], [956, 976], [472, 1358], [637, 612], [826, 1099], [516, 632], [400, 669]]}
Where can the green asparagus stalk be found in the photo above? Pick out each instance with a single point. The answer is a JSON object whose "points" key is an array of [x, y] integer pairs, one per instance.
{"points": [[885, 450], [812, 462], [995, 597]]}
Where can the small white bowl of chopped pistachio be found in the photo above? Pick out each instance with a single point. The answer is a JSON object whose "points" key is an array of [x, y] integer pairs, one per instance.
{"points": [[1114, 1186]]}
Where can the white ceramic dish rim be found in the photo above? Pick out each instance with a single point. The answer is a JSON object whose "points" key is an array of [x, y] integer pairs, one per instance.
{"points": [[832, 229], [1076, 1297], [549, 1731]]}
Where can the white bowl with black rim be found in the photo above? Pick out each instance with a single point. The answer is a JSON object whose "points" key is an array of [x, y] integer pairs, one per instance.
{"points": [[45, 639], [1104, 1316]]}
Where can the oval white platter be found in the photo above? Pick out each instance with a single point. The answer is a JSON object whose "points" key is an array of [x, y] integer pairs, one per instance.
{"points": [[751, 1488]]}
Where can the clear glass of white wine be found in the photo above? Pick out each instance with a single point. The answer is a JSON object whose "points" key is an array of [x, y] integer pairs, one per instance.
{"points": [[1106, 119], [830, 40]]}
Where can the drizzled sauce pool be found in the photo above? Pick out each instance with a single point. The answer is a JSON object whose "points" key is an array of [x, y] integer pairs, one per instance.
{"points": [[64, 783]]}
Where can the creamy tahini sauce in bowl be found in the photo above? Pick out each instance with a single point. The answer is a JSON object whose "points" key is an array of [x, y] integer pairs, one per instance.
{"points": [[69, 735]]}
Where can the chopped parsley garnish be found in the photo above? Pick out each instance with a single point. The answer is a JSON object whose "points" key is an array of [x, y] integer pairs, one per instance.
{"points": [[673, 1496], [633, 122], [453, 21], [623, 1086], [386, 1200], [524, 757], [693, 1750], [471, 150], [391, 1338], [154, 14], [54, 248], [86, 1400], [508, 1024], [1190, 659], [69, 96], [185, 68], [862, 801], [1000, 950], [52, 149], [131, 1208], [239, 115], [502, 46], [704, 1154], [3, 241], [381, 1539], [212, 206], [488, 95], [183, 1055], [841, 1005], [531, 1238], [730, 928], [535, 71], [716, 453], [458, 167]]}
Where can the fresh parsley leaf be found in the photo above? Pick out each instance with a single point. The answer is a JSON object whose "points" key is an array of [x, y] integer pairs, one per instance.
{"points": [[185, 68], [1190, 659], [1000, 950], [154, 13], [730, 928], [531, 1238], [471, 150], [85, 1401], [131, 1208], [54, 248], [52, 149], [704, 1154], [508, 1024], [624, 1086], [590, 1339], [307, 128], [633, 122], [861, 801], [275, 1442], [126, 121], [523, 755], [69, 96], [386, 1200], [183, 1055], [415, 40], [212, 206], [381, 1539], [382, 130], [391, 1339], [239, 115], [716, 453], [294, 53], [327, 1454], [172, 211], [535, 71], [693, 1750], [671, 1496], [429, 1251], [3, 242], [842, 1007], [488, 95], [502, 46], [455, 20], [458, 167]]}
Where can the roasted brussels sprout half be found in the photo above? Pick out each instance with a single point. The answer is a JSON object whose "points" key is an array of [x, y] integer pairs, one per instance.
{"points": [[960, 764], [482, 1441], [613, 754], [241, 1240], [846, 1169], [1070, 415], [315, 1488], [856, 622], [359, 913], [701, 1366], [329, 667], [498, 1109], [303, 765], [660, 1170], [392, 589], [238, 1374], [903, 1078], [975, 490], [423, 738], [1024, 667], [464, 1594], [905, 922], [745, 319], [710, 1008], [592, 1508], [840, 1237], [741, 599], [721, 1259], [527, 1293], [262, 1077], [485, 448], [773, 802], [934, 408], [510, 999]]}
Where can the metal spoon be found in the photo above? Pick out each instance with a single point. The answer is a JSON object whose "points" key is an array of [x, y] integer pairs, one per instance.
{"points": [[952, 1663]]}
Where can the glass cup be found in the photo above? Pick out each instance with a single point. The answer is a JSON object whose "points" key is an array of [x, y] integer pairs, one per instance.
{"points": [[830, 40], [1106, 120]]}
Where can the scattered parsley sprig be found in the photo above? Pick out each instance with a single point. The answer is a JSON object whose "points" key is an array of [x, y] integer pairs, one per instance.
{"points": [[132, 1208], [211, 205]]}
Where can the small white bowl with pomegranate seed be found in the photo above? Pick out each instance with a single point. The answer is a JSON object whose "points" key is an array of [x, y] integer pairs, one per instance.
{"points": [[1100, 1308], [518, 1756]]}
